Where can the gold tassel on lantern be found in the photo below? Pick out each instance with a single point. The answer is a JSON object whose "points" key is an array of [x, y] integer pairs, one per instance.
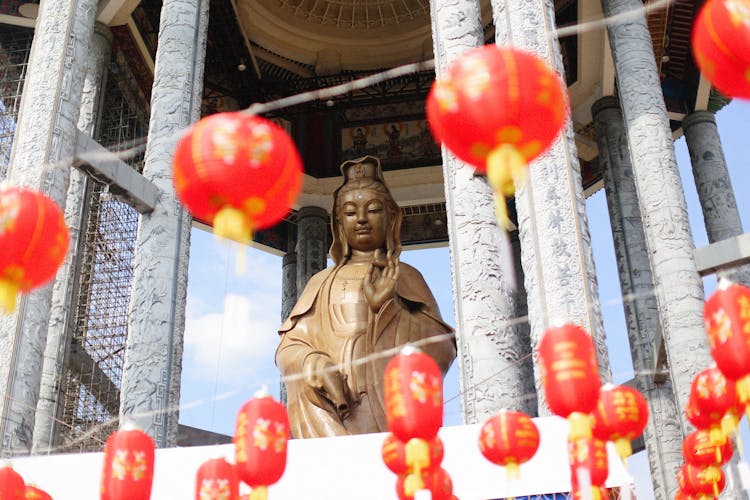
{"points": [[233, 224], [8, 294], [504, 164]]}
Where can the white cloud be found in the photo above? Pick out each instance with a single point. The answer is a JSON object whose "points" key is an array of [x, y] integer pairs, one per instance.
{"points": [[236, 340]]}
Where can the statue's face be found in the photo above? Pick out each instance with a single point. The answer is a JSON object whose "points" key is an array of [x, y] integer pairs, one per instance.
{"points": [[363, 219]]}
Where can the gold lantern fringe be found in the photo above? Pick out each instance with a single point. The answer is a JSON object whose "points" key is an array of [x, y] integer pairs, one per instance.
{"points": [[8, 293], [504, 163], [233, 224]]}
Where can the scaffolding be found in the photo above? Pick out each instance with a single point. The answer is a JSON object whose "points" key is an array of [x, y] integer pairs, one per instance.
{"points": [[15, 47], [97, 347]]}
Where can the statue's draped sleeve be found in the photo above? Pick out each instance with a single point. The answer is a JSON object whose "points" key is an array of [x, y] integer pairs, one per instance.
{"points": [[412, 316]]}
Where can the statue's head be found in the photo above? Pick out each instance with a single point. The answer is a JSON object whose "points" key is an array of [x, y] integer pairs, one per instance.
{"points": [[363, 181]]}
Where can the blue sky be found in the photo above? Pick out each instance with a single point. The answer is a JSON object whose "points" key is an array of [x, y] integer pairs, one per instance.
{"points": [[232, 319]]}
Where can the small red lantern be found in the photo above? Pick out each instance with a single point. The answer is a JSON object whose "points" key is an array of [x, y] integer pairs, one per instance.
{"points": [[721, 45], [620, 416], [413, 396], [701, 480], [216, 479], [128, 470], [12, 485], [509, 438], [570, 376], [698, 450], [260, 442], [437, 481], [34, 240], [34, 493], [238, 172], [588, 458], [394, 454], [485, 109], [727, 317], [711, 397]]}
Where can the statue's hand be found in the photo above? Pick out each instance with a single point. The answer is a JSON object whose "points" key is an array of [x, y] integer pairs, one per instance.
{"points": [[380, 280], [322, 375]]}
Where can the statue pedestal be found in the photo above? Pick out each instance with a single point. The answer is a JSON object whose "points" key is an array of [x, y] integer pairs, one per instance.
{"points": [[336, 468]]}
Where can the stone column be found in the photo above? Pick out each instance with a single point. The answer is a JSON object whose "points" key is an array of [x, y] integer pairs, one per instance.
{"points": [[663, 435], [714, 186], [150, 391], [558, 263], [678, 287], [45, 141], [64, 300], [490, 352], [288, 297], [312, 247]]}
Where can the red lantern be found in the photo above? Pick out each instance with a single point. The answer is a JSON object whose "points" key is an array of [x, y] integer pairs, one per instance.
{"points": [[394, 454], [34, 493], [721, 45], [711, 397], [727, 317], [128, 470], [588, 457], [34, 240], [620, 416], [701, 480], [12, 485], [260, 441], [509, 438], [238, 172], [413, 396], [437, 481], [570, 376], [485, 108], [597, 493], [699, 451], [216, 479]]}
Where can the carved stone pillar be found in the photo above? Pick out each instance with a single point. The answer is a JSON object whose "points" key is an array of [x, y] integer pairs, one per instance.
{"points": [[288, 297], [663, 435], [490, 352], [45, 140], [312, 248], [714, 186], [678, 287], [64, 303], [150, 390], [557, 260]]}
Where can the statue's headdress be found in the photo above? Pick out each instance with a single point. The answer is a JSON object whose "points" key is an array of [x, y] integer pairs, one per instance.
{"points": [[366, 174]]}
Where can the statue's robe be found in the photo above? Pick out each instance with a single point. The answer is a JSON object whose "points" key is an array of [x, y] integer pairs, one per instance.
{"points": [[413, 315]]}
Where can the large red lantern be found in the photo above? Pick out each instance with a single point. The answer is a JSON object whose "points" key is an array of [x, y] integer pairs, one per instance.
{"points": [[698, 450], [34, 240], [437, 481], [394, 454], [497, 108], [701, 480], [34, 493], [570, 376], [727, 317], [588, 459], [413, 396], [721, 45], [128, 470], [216, 479], [509, 438], [238, 172], [260, 443], [12, 485], [620, 416]]}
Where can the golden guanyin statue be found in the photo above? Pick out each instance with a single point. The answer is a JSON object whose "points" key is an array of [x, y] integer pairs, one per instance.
{"points": [[352, 316]]}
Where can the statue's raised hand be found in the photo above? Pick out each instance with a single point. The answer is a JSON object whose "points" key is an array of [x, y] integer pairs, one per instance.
{"points": [[380, 280]]}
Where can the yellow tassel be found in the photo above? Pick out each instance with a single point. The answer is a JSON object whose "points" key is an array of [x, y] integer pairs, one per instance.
{"points": [[743, 393], [580, 426], [232, 224], [412, 484], [512, 471], [417, 455], [624, 448], [729, 423], [8, 294], [716, 436], [504, 163], [259, 493]]}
